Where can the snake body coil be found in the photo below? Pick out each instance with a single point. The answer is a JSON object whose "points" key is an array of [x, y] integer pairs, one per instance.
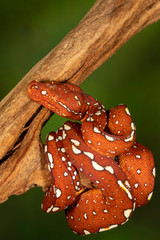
{"points": [[103, 148]]}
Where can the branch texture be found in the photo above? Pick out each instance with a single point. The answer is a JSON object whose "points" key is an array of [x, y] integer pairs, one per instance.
{"points": [[105, 28]]}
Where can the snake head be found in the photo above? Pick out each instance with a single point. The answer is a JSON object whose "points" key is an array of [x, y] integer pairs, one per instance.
{"points": [[64, 99]]}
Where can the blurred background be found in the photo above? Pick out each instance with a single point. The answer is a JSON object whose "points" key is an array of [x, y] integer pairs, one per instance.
{"points": [[29, 30]]}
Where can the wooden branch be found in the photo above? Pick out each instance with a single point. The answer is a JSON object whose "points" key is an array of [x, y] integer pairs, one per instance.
{"points": [[105, 28]]}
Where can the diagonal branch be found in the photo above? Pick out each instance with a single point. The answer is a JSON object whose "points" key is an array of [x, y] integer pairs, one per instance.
{"points": [[105, 28]]}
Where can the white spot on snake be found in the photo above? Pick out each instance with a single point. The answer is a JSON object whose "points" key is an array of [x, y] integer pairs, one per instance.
{"points": [[49, 209], [149, 196], [127, 184], [154, 172], [63, 159], [77, 143], [88, 103], [90, 119], [127, 213], [85, 215], [59, 138], [69, 164], [98, 113], [138, 156], [63, 105], [79, 102], [96, 130], [36, 87], [65, 174], [111, 198], [64, 135], [89, 154], [75, 150], [136, 185], [109, 138], [95, 104], [125, 189], [43, 92], [133, 127], [66, 127], [58, 193], [50, 158], [138, 171], [127, 111], [86, 232], [110, 227], [73, 177], [63, 150], [45, 148], [109, 169], [105, 211], [97, 167], [134, 205], [130, 137], [55, 209], [50, 138]]}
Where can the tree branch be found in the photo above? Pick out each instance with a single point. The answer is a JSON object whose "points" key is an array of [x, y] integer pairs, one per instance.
{"points": [[105, 28]]}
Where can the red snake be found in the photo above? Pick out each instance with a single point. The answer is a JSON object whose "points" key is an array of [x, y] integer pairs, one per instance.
{"points": [[103, 148]]}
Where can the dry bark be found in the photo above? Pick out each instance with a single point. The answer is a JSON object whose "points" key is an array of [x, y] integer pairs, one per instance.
{"points": [[105, 28]]}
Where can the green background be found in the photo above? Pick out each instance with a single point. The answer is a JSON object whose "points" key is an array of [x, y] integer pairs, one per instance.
{"points": [[29, 30]]}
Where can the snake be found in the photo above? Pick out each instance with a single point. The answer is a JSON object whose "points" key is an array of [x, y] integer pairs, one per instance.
{"points": [[100, 144]]}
